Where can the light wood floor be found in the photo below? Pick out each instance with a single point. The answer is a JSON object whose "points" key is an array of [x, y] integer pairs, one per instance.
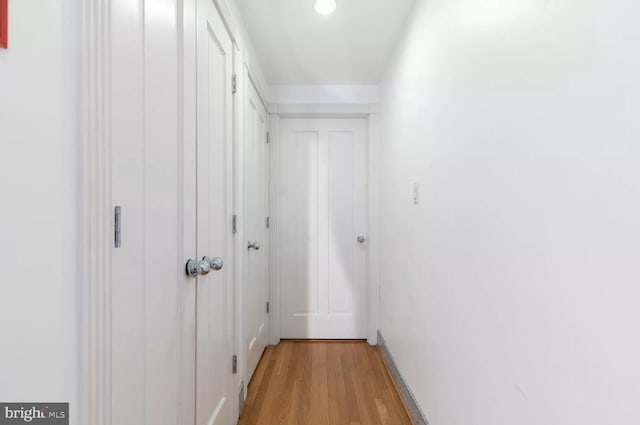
{"points": [[322, 383]]}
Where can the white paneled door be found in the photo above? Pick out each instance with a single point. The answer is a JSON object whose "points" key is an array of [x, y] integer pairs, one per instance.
{"points": [[214, 403], [256, 183], [322, 225], [150, 368]]}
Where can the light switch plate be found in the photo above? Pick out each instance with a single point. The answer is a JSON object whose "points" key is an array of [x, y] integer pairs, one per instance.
{"points": [[416, 193]]}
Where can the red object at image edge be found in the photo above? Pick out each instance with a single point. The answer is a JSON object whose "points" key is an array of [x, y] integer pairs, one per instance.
{"points": [[4, 21]]}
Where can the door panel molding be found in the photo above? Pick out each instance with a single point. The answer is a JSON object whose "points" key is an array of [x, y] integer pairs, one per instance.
{"points": [[95, 192]]}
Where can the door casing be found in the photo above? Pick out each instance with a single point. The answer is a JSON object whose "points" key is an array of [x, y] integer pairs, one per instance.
{"points": [[256, 331], [246, 76], [370, 113]]}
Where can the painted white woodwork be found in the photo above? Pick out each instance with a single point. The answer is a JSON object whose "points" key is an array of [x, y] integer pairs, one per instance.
{"points": [[373, 237], [255, 194], [239, 247], [215, 397], [322, 206], [96, 226], [341, 94], [154, 108], [248, 72], [153, 180], [247, 57], [324, 110], [188, 105], [274, 251], [510, 293], [230, 20]]}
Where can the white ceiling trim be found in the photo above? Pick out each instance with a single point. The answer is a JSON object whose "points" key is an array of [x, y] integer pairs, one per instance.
{"points": [[323, 94]]}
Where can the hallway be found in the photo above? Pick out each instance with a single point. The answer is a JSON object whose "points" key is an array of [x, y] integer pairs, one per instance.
{"points": [[322, 383], [320, 212]]}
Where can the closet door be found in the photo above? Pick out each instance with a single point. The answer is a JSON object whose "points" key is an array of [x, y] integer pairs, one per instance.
{"points": [[322, 206], [152, 354], [256, 183], [214, 379]]}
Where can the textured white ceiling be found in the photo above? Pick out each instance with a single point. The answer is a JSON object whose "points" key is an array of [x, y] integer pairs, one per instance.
{"points": [[295, 45]]}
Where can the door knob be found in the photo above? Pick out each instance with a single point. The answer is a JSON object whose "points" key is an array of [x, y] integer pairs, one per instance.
{"points": [[253, 245], [197, 268], [361, 239], [215, 263]]}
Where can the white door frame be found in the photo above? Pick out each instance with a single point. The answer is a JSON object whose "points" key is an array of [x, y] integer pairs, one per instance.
{"points": [[370, 113], [245, 77], [95, 203], [265, 244]]}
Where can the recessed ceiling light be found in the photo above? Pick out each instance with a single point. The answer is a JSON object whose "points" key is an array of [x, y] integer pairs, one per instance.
{"points": [[325, 7]]}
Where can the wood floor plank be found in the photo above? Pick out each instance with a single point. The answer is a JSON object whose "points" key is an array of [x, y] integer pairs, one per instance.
{"points": [[322, 383]]}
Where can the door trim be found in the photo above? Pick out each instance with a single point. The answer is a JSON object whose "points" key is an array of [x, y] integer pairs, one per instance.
{"points": [[369, 112], [94, 188], [249, 83], [246, 76]]}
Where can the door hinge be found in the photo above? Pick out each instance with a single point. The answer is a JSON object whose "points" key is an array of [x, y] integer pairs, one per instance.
{"points": [[234, 84], [268, 137], [268, 222], [234, 364], [117, 223], [241, 399], [268, 307], [234, 224]]}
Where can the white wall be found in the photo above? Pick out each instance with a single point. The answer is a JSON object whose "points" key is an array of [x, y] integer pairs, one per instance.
{"points": [[38, 205], [510, 293]]}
